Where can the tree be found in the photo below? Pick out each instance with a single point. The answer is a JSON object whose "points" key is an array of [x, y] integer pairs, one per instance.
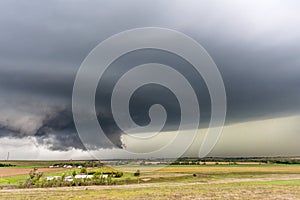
{"points": [[74, 173]]}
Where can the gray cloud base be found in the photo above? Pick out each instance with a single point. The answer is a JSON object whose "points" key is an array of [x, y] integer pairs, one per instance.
{"points": [[43, 44]]}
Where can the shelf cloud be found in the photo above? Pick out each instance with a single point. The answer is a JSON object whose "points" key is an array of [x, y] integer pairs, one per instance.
{"points": [[255, 45]]}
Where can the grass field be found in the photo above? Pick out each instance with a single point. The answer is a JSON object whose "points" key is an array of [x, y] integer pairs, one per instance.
{"points": [[248, 181]]}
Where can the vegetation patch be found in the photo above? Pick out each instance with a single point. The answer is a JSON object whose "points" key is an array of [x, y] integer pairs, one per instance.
{"points": [[6, 165]]}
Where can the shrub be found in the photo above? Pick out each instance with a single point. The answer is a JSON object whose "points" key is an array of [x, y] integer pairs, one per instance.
{"points": [[137, 173], [118, 174], [83, 171], [33, 180], [74, 173]]}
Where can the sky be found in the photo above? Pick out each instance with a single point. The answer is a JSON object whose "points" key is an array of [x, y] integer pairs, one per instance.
{"points": [[255, 45]]}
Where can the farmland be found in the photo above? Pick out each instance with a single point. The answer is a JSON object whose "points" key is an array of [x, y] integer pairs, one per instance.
{"points": [[210, 181]]}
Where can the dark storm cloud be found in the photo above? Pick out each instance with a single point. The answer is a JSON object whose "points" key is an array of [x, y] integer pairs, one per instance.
{"points": [[260, 83], [42, 46], [43, 43]]}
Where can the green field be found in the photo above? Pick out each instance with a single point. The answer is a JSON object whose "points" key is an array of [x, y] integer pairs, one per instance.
{"points": [[247, 181]]}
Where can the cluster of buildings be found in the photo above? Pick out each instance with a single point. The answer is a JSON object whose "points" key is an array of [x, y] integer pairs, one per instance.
{"points": [[71, 178], [64, 166]]}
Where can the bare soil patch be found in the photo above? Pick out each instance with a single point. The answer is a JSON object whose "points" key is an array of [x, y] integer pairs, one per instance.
{"points": [[5, 172]]}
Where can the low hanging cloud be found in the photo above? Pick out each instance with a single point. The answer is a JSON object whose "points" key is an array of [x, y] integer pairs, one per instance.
{"points": [[40, 120], [25, 119]]}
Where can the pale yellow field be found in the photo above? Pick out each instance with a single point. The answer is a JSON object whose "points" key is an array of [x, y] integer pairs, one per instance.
{"points": [[184, 182]]}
